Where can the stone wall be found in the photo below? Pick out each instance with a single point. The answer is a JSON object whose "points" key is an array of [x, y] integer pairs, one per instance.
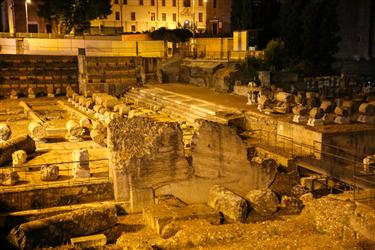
{"points": [[145, 153], [59, 195]]}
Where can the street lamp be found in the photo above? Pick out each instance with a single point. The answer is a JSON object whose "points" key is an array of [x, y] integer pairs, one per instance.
{"points": [[27, 15]]}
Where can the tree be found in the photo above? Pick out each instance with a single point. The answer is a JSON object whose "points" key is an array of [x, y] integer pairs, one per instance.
{"points": [[74, 14], [274, 54]]}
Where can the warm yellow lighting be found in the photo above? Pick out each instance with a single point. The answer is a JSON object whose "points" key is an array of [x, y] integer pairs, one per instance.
{"points": [[28, 1]]}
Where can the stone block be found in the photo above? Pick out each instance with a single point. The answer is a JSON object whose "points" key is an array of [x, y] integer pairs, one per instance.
{"points": [[140, 198], [10, 179], [160, 215], [263, 201], [58, 229], [300, 118], [367, 119], [228, 203], [91, 241], [49, 173], [342, 120], [5, 132], [81, 167], [315, 122]]}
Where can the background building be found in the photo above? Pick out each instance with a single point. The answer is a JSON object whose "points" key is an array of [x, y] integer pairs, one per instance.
{"points": [[149, 15], [218, 16]]}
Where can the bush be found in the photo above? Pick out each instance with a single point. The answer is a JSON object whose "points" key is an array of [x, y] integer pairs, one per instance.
{"points": [[275, 54]]}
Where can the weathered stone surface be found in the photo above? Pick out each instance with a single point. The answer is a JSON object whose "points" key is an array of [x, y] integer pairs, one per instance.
{"points": [[7, 148], [49, 173], [299, 110], [81, 167], [305, 198], [19, 157], [162, 217], [98, 136], [328, 106], [291, 205], [228, 203], [316, 113], [74, 129], [5, 132], [10, 179], [97, 240], [299, 190], [218, 151], [122, 109], [37, 131], [146, 151], [367, 108], [85, 123], [263, 201], [56, 230], [331, 216]]}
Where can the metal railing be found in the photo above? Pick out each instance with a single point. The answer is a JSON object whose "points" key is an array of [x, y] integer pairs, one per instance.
{"points": [[30, 177], [339, 163]]}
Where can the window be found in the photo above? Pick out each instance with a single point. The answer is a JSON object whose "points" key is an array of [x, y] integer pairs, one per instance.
{"points": [[133, 28], [200, 2], [174, 3], [164, 17], [152, 2], [186, 3], [163, 2], [132, 16], [152, 28], [153, 16], [200, 17], [116, 2], [125, 1], [214, 4], [174, 17], [117, 15], [140, 2]]}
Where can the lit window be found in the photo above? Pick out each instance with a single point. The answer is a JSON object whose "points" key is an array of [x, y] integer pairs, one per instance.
{"points": [[174, 17], [117, 15], [132, 16], [164, 17], [200, 2], [133, 28], [153, 16]]}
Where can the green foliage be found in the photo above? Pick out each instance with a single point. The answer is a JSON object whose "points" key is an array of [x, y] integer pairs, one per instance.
{"points": [[275, 54], [251, 65], [176, 35], [74, 14]]}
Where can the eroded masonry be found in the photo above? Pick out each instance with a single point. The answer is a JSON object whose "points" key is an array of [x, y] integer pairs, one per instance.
{"points": [[91, 156]]}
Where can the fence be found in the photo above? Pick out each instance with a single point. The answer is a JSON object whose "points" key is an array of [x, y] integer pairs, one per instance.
{"points": [[335, 162], [29, 175]]}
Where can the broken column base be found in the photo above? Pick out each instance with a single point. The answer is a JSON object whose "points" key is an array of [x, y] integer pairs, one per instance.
{"points": [[329, 118], [300, 118], [97, 240], [315, 122], [81, 173], [367, 119], [342, 120]]}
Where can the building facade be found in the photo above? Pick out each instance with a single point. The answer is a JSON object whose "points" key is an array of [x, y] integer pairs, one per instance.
{"points": [[218, 16], [149, 15]]}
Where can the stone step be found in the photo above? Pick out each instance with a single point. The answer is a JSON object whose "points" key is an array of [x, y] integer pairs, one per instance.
{"points": [[180, 106], [174, 110]]}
